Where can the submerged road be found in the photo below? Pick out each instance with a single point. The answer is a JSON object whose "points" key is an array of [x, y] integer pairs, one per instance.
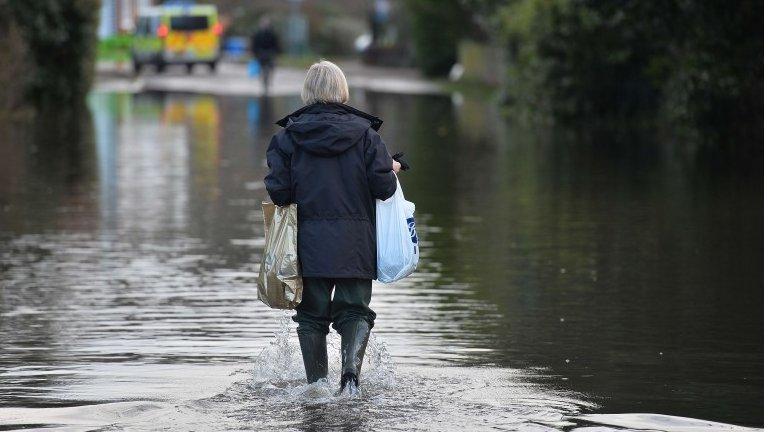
{"points": [[232, 79]]}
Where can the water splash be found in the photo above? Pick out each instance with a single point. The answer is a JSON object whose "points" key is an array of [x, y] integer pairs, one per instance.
{"points": [[280, 361], [279, 368]]}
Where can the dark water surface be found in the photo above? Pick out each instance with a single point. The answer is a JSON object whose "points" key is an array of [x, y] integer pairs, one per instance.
{"points": [[563, 273]]}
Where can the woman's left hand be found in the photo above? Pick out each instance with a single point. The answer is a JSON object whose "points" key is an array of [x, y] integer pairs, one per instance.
{"points": [[395, 166]]}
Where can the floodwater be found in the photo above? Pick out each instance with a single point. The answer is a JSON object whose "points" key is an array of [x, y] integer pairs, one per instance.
{"points": [[568, 279]]}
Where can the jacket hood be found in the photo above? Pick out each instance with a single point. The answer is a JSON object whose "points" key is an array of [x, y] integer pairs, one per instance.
{"points": [[328, 129]]}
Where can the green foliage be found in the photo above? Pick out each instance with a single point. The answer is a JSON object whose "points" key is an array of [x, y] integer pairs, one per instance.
{"points": [[575, 59], [61, 39], [13, 66], [699, 61], [115, 48], [715, 63], [437, 26], [525, 25]]}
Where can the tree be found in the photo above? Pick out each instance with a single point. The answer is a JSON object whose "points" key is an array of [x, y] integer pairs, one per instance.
{"points": [[60, 39], [697, 62], [436, 27]]}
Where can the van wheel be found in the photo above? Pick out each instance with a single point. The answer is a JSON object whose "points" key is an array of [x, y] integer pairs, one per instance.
{"points": [[190, 68], [160, 67], [212, 66], [137, 67]]}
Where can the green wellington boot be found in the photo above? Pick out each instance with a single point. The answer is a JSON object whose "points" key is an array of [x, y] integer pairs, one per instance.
{"points": [[354, 339], [315, 354]]}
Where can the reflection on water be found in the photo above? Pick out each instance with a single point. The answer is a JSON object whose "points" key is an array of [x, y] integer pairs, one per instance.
{"points": [[562, 273]]}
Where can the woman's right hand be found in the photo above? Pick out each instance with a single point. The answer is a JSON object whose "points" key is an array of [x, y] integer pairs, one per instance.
{"points": [[395, 166]]}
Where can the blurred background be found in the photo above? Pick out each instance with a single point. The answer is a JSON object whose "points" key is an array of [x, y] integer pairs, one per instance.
{"points": [[697, 63], [587, 176]]}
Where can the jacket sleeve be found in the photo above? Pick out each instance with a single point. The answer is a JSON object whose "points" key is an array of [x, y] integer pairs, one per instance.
{"points": [[278, 181], [381, 179]]}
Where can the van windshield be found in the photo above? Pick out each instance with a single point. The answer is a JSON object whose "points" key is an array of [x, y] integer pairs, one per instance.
{"points": [[189, 22]]}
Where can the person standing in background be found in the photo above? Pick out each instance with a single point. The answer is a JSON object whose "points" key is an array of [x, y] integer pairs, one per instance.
{"points": [[265, 46]]}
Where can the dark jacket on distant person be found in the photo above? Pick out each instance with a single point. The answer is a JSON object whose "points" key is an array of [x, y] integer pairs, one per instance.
{"points": [[265, 45], [330, 161]]}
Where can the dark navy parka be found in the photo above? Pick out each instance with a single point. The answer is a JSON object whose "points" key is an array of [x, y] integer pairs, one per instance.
{"points": [[330, 161]]}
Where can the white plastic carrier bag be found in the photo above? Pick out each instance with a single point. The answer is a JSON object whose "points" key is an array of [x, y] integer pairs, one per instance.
{"points": [[397, 245]]}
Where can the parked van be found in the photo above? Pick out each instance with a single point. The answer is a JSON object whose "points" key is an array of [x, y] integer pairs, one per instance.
{"points": [[184, 34]]}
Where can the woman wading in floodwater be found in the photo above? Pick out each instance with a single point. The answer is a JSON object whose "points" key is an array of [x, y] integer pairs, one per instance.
{"points": [[332, 163]]}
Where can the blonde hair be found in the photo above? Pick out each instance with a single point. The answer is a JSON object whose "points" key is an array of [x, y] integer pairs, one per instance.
{"points": [[324, 83]]}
